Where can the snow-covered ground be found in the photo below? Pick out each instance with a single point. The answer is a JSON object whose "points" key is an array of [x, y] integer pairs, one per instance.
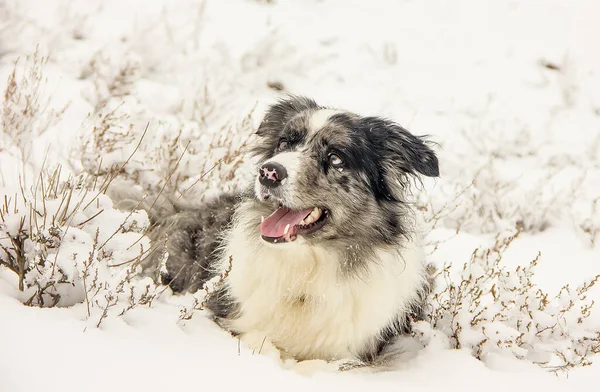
{"points": [[510, 91]]}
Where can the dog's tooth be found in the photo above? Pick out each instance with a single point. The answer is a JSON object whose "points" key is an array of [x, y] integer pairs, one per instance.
{"points": [[262, 220], [283, 181], [287, 228], [315, 214]]}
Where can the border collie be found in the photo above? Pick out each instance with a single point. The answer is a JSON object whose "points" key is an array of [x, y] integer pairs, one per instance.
{"points": [[322, 250]]}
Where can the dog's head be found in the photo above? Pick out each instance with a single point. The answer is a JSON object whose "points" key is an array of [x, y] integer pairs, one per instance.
{"points": [[330, 175]]}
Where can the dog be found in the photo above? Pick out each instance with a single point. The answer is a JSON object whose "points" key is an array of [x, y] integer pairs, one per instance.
{"points": [[322, 251]]}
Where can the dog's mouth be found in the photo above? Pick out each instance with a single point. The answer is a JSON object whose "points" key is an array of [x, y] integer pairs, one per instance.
{"points": [[285, 224]]}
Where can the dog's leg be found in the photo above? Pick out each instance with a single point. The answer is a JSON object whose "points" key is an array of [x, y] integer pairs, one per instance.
{"points": [[184, 236]]}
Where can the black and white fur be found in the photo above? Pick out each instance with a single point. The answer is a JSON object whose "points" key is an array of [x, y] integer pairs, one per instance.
{"points": [[344, 291]]}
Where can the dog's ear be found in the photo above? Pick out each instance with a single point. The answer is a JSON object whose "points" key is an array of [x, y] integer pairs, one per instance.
{"points": [[408, 152], [283, 111]]}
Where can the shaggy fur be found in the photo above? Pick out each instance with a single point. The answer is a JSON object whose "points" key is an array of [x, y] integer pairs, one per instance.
{"points": [[345, 290]]}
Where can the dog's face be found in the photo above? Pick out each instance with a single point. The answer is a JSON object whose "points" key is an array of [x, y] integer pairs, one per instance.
{"points": [[327, 175]]}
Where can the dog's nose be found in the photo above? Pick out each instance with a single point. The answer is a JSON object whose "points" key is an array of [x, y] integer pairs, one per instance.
{"points": [[272, 174]]}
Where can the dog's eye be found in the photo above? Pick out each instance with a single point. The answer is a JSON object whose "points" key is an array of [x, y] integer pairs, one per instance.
{"points": [[283, 144], [336, 161]]}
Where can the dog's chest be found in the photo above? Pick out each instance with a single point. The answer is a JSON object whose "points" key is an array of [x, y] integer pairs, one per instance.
{"points": [[301, 303], [300, 312]]}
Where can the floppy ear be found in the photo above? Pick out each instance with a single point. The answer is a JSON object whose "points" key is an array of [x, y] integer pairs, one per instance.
{"points": [[283, 111], [409, 152]]}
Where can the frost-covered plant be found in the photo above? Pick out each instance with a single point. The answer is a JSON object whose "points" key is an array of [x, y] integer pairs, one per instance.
{"points": [[105, 142], [179, 155], [494, 201], [112, 79], [67, 245], [26, 112], [488, 308], [589, 224]]}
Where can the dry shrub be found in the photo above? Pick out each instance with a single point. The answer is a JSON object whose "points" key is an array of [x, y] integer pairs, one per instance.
{"points": [[105, 143], [589, 223], [178, 157], [26, 112], [494, 201], [67, 245], [488, 308], [112, 80], [224, 162]]}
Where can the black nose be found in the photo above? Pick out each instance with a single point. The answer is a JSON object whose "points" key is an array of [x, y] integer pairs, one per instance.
{"points": [[272, 174]]}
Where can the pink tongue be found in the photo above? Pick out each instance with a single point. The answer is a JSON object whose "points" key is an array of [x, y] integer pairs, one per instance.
{"points": [[274, 225]]}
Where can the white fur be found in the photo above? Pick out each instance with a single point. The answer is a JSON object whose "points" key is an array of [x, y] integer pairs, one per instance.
{"points": [[319, 118], [341, 315]]}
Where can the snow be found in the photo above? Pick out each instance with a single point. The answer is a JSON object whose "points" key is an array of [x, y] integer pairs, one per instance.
{"points": [[151, 352], [518, 142]]}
